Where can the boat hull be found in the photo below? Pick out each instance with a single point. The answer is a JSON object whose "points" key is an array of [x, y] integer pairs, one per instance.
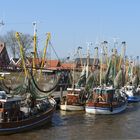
{"points": [[27, 124], [105, 110], [133, 99], [132, 94], [66, 107], [74, 100]]}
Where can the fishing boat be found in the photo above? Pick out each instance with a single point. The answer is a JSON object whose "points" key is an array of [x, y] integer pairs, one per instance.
{"points": [[132, 89], [76, 96], [138, 89], [26, 106], [16, 117], [107, 98], [105, 101], [74, 100], [132, 93]]}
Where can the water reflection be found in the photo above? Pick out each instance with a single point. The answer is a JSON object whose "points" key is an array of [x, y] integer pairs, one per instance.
{"points": [[80, 125]]}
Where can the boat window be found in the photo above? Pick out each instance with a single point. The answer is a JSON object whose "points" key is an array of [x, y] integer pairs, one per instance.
{"points": [[111, 91], [10, 105], [3, 95], [7, 105], [108, 91], [98, 91], [103, 91]]}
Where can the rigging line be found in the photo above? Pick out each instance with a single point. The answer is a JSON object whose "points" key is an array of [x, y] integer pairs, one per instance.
{"points": [[41, 39], [47, 91], [22, 22], [54, 50]]}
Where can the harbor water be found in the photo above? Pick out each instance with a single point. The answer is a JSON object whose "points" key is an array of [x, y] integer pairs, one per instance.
{"points": [[83, 126]]}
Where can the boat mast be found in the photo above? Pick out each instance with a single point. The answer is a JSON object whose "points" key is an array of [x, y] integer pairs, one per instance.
{"points": [[132, 68], [114, 62], [96, 55], [35, 46], [105, 51], [101, 63], [137, 65], [88, 59], [45, 50], [80, 55], [73, 72], [122, 54], [21, 53]]}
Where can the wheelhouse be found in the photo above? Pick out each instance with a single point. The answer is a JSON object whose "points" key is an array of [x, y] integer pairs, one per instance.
{"points": [[9, 107], [103, 95]]}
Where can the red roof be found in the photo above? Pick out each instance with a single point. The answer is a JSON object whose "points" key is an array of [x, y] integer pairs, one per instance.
{"points": [[37, 60], [52, 63], [68, 65]]}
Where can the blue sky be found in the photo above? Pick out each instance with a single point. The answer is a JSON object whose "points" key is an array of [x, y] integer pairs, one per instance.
{"points": [[73, 23]]}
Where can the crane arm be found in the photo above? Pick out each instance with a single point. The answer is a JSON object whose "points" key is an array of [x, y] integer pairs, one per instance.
{"points": [[21, 53], [45, 49]]}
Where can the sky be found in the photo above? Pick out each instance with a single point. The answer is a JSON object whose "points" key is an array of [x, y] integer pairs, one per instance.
{"points": [[74, 23]]}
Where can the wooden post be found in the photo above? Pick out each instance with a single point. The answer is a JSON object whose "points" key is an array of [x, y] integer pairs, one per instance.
{"points": [[61, 93]]}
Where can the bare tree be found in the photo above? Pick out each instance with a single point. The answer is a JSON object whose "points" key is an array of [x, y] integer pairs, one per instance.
{"points": [[11, 43], [27, 43]]}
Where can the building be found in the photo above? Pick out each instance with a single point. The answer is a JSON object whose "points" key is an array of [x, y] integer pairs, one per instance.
{"points": [[14, 63], [52, 64], [4, 58], [92, 62]]}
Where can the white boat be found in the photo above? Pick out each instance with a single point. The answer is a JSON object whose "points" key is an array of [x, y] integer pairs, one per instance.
{"points": [[74, 100], [132, 93], [105, 101], [67, 107]]}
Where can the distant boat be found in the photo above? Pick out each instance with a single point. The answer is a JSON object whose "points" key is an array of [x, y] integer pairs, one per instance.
{"points": [[132, 93], [74, 100], [105, 101], [76, 96], [14, 117]]}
